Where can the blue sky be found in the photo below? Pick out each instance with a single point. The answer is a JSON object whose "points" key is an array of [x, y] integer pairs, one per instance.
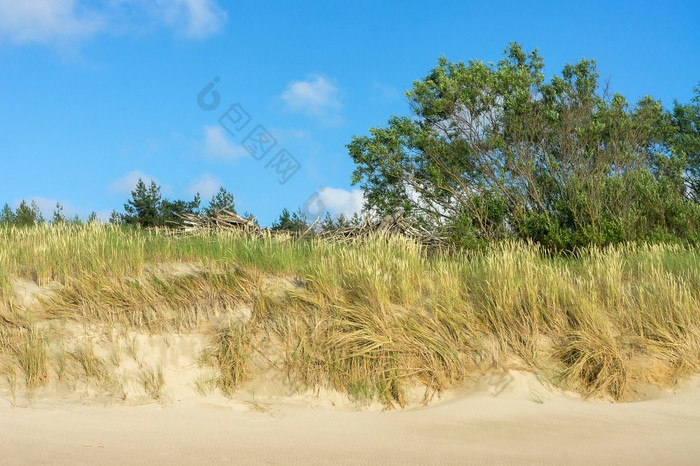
{"points": [[96, 94]]}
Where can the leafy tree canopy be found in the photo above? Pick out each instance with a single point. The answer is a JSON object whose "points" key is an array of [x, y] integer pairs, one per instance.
{"points": [[495, 150]]}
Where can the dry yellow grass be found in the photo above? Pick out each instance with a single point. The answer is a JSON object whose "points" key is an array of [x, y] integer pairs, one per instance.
{"points": [[372, 319]]}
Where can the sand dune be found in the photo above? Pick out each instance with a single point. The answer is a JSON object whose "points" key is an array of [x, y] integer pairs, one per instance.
{"points": [[509, 419], [496, 419]]}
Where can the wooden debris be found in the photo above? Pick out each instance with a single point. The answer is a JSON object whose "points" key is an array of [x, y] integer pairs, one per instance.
{"points": [[222, 220], [395, 224], [389, 225]]}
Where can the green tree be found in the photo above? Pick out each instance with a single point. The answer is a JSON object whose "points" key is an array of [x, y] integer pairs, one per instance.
{"points": [[116, 218], [144, 206], [495, 150], [341, 221], [7, 216], [249, 216], [222, 200], [38, 217], [327, 224], [58, 216], [171, 212], [147, 208], [28, 214], [356, 220], [291, 221], [684, 140]]}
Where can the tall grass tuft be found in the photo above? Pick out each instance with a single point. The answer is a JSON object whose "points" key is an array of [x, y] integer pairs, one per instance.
{"points": [[32, 356], [229, 353]]}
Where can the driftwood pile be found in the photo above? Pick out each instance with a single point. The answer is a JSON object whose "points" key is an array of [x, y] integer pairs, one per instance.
{"points": [[222, 220], [395, 224]]}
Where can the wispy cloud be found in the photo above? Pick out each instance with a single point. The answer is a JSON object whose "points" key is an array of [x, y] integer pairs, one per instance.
{"points": [[67, 22], [127, 183], [47, 21], [196, 19], [317, 96], [206, 185], [217, 146]]}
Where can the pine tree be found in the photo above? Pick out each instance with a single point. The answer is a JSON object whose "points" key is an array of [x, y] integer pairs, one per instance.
{"points": [[38, 218], [291, 222], [249, 216], [7, 216], [342, 221], [327, 223], [143, 207], [58, 216], [171, 212], [116, 218], [356, 220], [25, 215], [222, 200]]}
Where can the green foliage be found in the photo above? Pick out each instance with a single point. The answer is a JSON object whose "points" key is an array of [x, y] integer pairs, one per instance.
{"points": [[7, 216], [38, 217], [28, 214], [115, 218], [249, 216], [291, 221], [327, 224], [684, 140], [222, 200], [475, 228], [496, 150], [142, 208], [58, 216], [341, 221], [147, 208], [170, 212]]}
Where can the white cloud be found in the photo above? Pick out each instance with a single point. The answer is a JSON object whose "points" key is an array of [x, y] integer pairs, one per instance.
{"points": [[127, 183], [318, 96], [206, 185], [217, 145], [341, 201], [104, 215], [66, 22], [197, 19], [46, 21]]}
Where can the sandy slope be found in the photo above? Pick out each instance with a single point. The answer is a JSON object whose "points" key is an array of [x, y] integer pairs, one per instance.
{"points": [[507, 420]]}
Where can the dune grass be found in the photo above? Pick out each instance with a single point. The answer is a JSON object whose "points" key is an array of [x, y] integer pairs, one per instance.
{"points": [[372, 319]]}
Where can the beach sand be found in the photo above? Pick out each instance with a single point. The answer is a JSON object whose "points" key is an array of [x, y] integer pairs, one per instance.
{"points": [[511, 419]]}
